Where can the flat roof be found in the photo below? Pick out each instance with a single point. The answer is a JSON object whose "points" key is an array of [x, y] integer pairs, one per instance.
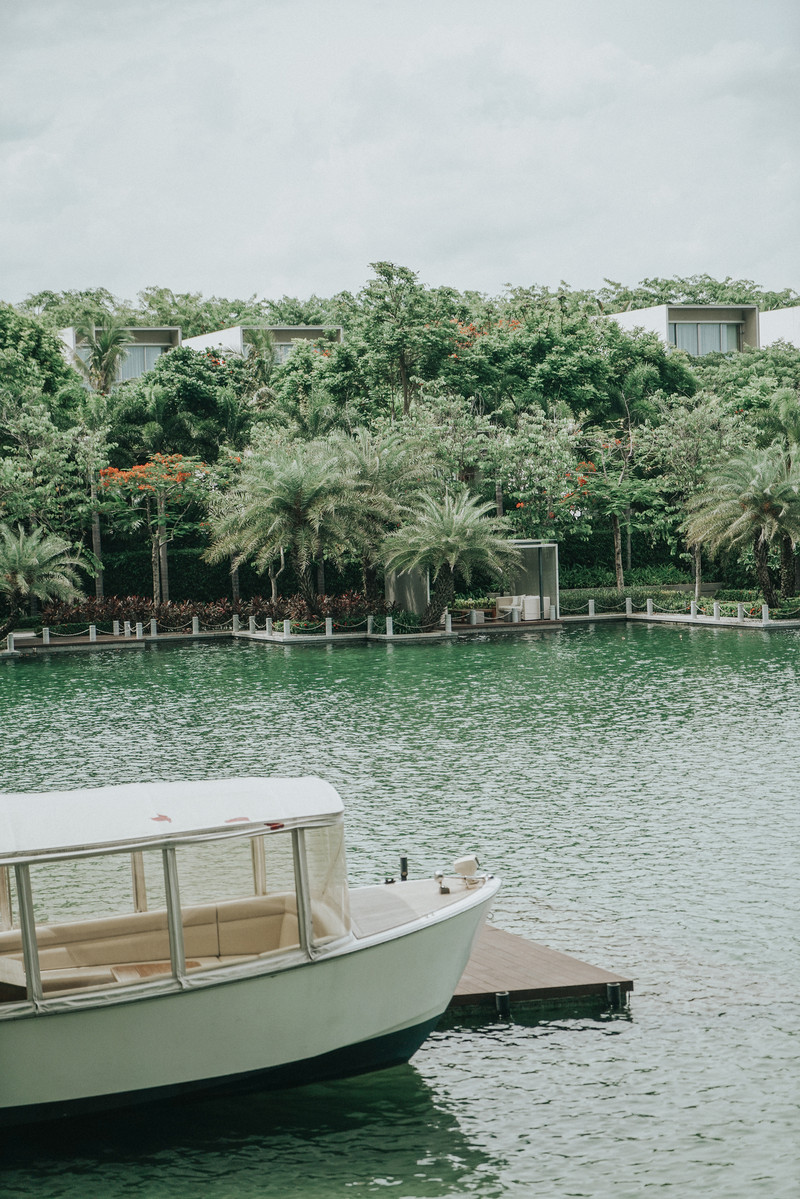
{"points": [[64, 823]]}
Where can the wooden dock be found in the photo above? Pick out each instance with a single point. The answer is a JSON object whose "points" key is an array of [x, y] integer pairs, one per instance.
{"points": [[506, 972]]}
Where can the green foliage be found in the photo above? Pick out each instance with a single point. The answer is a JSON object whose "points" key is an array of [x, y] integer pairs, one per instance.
{"points": [[502, 396], [180, 406], [30, 356], [36, 566], [696, 289], [598, 576]]}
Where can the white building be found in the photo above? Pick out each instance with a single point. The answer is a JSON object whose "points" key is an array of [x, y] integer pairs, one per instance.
{"points": [[697, 328], [146, 348], [235, 340], [782, 324]]}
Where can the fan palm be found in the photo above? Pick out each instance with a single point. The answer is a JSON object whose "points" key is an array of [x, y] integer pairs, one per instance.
{"points": [[387, 473], [449, 537], [754, 499], [297, 501], [783, 420], [35, 565]]}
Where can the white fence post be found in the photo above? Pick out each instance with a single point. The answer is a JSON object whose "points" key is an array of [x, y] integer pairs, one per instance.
{"points": [[235, 623], [448, 623], [740, 611], [10, 643], [716, 610], [195, 625], [115, 628], [127, 628], [251, 624], [515, 615], [693, 609], [287, 628], [629, 607], [765, 613], [649, 607], [268, 629], [153, 627], [46, 634], [370, 623], [591, 607], [139, 630], [328, 626], [390, 626]]}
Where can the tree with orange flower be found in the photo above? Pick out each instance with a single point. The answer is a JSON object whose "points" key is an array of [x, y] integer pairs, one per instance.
{"points": [[159, 496]]}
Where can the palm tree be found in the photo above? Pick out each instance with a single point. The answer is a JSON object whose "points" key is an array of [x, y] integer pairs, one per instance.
{"points": [[387, 474], [35, 565], [448, 537], [296, 501], [105, 346], [754, 499], [783, 420]]}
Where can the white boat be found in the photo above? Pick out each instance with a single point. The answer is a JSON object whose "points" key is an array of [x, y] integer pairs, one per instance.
{"points": [[158, 939]]}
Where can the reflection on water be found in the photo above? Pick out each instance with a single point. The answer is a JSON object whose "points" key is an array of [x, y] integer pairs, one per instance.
{"points": [[381, 1130], [635, 789]]}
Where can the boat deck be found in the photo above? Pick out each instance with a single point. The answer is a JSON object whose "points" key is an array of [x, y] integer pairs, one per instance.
{"points": [[508, 971]]}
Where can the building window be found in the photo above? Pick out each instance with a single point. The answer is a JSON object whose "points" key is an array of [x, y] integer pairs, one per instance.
{"points": [[139, 359], [704, 337]]}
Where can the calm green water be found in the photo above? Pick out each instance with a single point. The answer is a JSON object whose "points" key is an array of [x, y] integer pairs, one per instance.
{"points": [[637, 790]]}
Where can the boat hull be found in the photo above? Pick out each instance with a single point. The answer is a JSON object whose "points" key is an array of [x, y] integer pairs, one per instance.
{"points": [[363, 1008]]}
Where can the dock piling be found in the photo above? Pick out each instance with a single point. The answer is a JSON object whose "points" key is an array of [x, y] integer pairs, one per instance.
{"points": [[502, 1002], [614, 993], [269, 626], [195, 625], [328, 626], [153, 627], [46, 634]]}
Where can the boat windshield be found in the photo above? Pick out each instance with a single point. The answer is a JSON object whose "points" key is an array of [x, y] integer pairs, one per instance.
{"points": [[118, 919]]}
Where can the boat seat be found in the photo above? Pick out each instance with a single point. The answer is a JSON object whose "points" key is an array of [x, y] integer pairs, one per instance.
{"points": [[12, 980], [253, 925]]}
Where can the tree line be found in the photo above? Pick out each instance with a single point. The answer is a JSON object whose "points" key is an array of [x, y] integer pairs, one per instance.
{"points": [[444, 423]]}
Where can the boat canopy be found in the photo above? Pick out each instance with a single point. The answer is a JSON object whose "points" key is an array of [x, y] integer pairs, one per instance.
{"points": [[62, 823]]}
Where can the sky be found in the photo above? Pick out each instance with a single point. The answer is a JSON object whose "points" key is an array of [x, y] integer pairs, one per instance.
{"points": [[271, 147]]}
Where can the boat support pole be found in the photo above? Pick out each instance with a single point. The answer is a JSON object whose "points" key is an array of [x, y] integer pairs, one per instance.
{"points": [[177, 953], [139, 885], [30, 947], [303, 893], [6, 914]]}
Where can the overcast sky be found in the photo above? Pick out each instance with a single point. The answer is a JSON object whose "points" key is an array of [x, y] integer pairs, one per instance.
{"points": [[280, 146]]}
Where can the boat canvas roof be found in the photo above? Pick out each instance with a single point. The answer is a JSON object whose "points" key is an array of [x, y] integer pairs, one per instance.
{"points": [[47, 823]]}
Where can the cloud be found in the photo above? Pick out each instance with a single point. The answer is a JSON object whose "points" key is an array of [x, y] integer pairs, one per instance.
{"points": [[277, 147]]}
